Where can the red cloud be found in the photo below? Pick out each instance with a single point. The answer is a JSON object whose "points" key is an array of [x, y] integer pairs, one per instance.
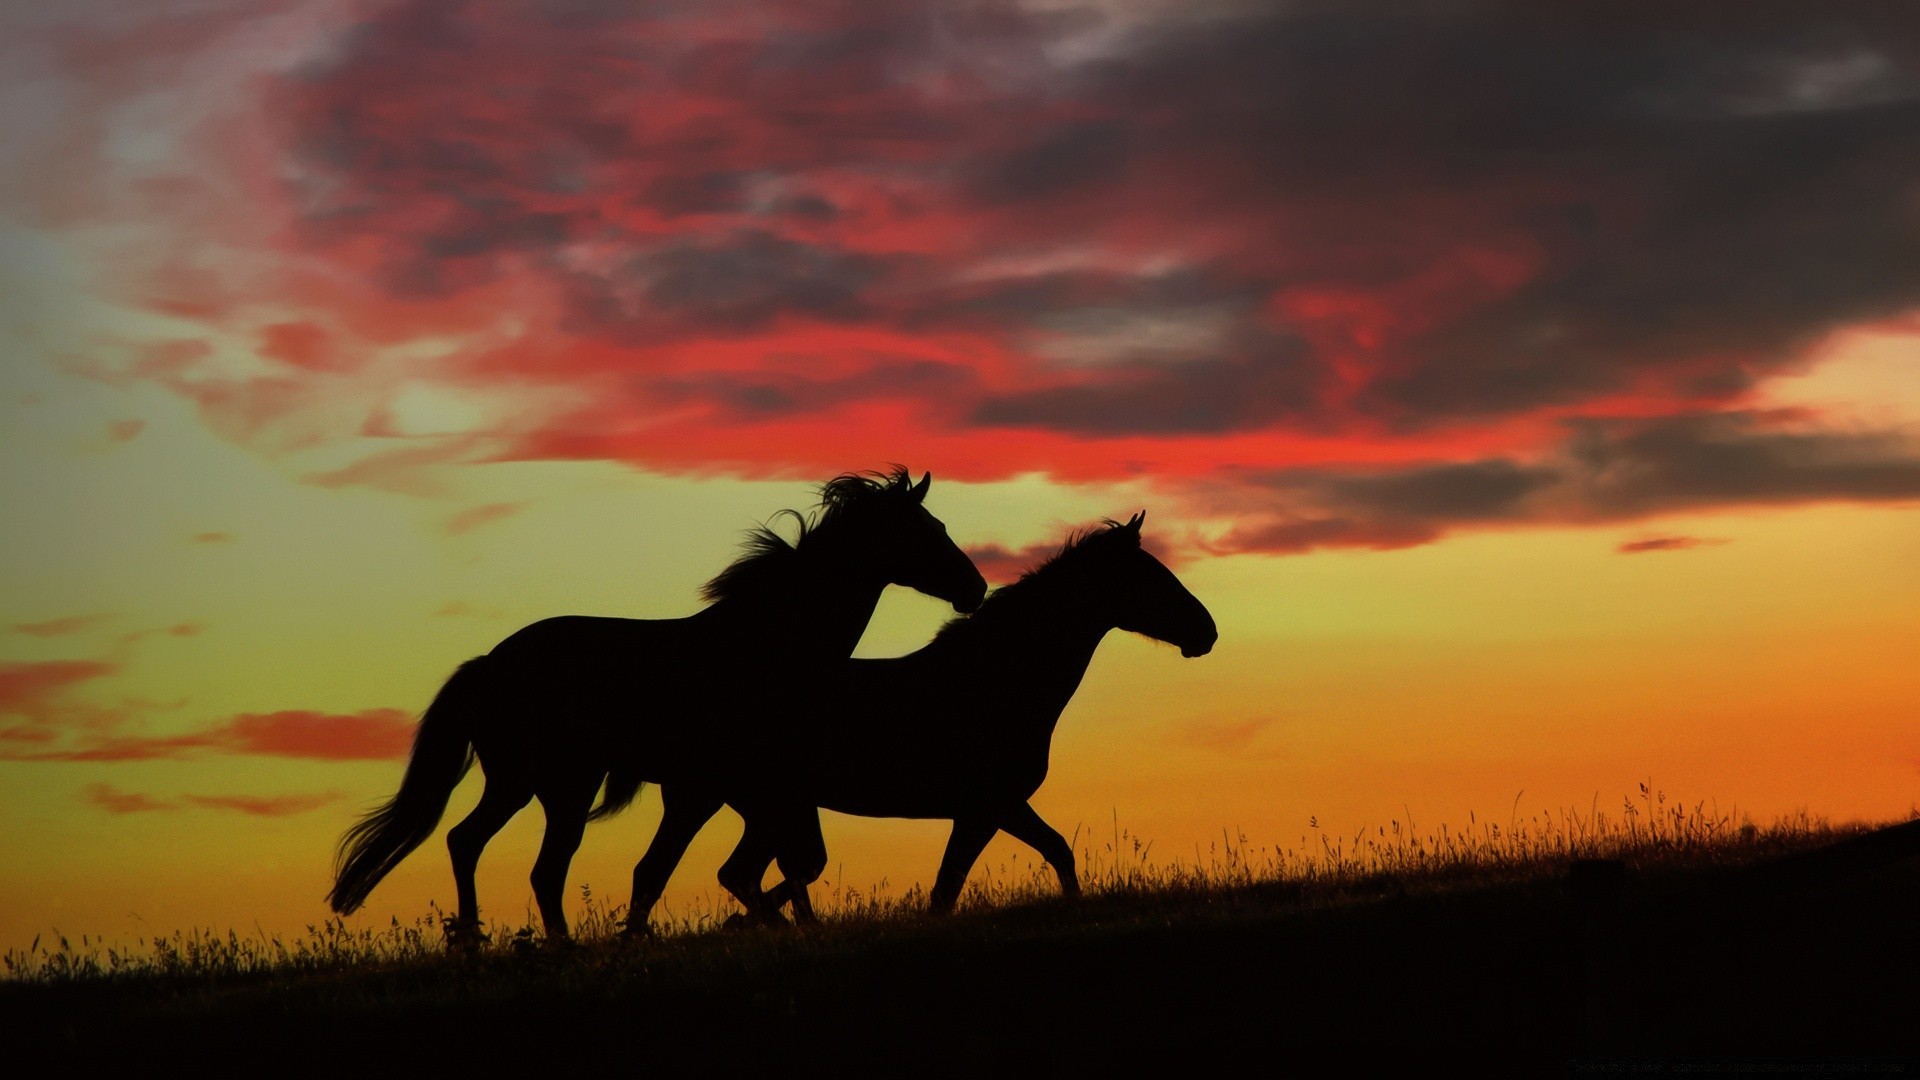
{"points": [[369, 735], [1664, 543], [470, 519], [792, 237], [301, 345], [121, 431], [115, 801], [71, 624], [33, 689], [1002, 565], [373, 734]]}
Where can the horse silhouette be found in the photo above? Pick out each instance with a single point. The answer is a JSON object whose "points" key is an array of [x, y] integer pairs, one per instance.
{"points": [[960, 729], [561, 703]]}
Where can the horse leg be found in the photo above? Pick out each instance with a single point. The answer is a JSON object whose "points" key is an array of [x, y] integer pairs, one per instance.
{"points": [[1024, 825], [498, 803], [741, 874], [566, 806], [683, 812], [803, 858], [969, 839]]}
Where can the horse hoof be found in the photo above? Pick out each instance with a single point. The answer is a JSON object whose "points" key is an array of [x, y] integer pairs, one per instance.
{"points": [[748, 920], [637, 932], [463, 936]]}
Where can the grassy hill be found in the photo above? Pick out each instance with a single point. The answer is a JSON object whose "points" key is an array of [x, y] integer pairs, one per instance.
{"points": [[1675, 935]]}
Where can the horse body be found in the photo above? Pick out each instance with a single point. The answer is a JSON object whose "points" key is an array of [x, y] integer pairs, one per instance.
{"points": [[567, 703], [985, 706], [986, 695]]}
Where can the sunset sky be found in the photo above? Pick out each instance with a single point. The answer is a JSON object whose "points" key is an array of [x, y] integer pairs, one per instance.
{"points": [[1532, 391]]}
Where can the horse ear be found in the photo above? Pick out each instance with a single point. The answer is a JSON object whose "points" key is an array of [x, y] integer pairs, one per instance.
{"points": [[1134, 523], [920, 489]]}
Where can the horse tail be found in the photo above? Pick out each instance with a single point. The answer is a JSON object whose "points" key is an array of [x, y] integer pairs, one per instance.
{"points": [[622, 788], [442, 754]]}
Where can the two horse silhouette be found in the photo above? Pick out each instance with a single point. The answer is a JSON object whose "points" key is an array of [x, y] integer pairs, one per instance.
{"points": [[754, 702]]}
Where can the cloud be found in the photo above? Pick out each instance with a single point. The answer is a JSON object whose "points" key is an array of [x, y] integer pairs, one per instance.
{"points": [[301, 345], [213, 538], [304, 734], [124, 431], [1356, 269], [1665, 543], [71, 624], [1603, 471], [114, 801], [264, 806], [474, 517], [38, 691], [1002, 565], [1680, 462], [1233, 738]]}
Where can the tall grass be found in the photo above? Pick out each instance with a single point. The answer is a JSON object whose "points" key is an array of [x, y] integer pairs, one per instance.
{"points": [[1646, 831]]}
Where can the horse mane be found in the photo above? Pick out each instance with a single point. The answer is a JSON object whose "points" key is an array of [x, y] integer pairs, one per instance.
{"points": [[1035, 578], [766, 557]]}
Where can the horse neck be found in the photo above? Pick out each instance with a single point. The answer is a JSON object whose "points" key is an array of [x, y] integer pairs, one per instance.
{"points": [[822, 606], [1043, 640], [834, 606]]}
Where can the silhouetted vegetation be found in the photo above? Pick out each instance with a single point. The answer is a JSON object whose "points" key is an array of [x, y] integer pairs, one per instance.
{"points": [[1393, 943]]}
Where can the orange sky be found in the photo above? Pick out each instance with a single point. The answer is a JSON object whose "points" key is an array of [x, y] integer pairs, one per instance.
{"points": [[1529, 429]]}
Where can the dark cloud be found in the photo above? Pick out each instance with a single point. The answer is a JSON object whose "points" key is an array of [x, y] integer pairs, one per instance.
{"points": [[1550, 204], [703, 193], [1477, 491], [1664, 224], [1137, 234], [1633, 468], [1068, 159], [775, 393], [736, 283], [1270, 379], [1615, 470]]}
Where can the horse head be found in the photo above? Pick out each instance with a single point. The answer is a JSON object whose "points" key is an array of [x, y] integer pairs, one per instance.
{"points": [[885, 525], [1139, 594]]}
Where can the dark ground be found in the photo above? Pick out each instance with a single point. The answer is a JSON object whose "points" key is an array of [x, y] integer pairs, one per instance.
{"points": [[1811, 960]]}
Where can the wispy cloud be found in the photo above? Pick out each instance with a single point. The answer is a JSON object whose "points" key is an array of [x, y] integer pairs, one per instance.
{"points": [[369, 735], [1238, 737], [474, 517], [71, 624], [115, 801], [1665, 543]]}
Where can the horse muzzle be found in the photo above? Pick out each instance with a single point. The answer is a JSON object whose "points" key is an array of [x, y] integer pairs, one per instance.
{"points": [[1199, 646]]}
